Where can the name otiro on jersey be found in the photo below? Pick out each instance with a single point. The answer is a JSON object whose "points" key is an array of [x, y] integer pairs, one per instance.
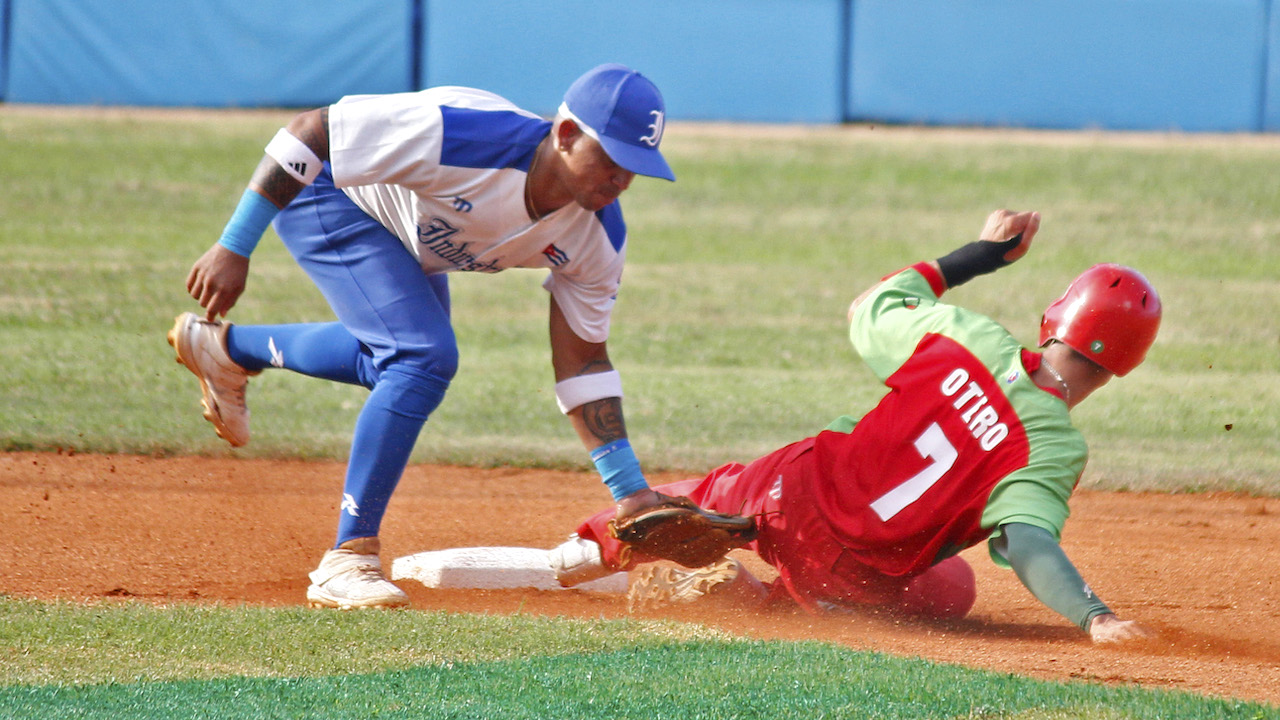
{"points": [[982, 419]]}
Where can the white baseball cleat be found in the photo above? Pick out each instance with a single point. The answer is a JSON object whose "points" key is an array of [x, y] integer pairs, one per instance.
{"points": [[576, 561], [202, 347], [653, 586], [349, 581]]}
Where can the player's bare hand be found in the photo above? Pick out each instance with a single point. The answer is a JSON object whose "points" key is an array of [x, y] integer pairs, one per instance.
{"points": [[637, 501], [1005, 225], [217, 279], [1107, 628]]}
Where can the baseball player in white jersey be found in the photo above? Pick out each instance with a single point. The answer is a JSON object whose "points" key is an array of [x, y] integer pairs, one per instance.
{"points": [[378, 197]]}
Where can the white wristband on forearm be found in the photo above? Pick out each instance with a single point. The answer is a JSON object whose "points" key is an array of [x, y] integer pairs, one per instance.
{"points": [[582, 389], [294, 156]]}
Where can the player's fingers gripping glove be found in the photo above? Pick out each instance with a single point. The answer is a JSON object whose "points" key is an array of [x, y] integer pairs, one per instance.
{"points": [[678, 530]]}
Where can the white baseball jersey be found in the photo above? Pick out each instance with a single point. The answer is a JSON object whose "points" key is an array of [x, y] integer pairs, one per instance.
{"points": [[444, 170]]}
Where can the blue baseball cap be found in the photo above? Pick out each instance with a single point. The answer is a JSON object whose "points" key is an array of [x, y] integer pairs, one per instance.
{"points": [[623, 111]]}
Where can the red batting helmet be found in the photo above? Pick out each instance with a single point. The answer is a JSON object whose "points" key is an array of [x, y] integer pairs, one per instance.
{"points": [[1109, 314]]}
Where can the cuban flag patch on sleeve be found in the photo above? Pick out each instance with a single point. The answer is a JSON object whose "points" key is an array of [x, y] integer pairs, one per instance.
{"points": [[555, 255]]}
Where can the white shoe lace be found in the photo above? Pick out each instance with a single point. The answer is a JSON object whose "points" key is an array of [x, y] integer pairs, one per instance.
{"points": [[235, 392], [369, 574]]}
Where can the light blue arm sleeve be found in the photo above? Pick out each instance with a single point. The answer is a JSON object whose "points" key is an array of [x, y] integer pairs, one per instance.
{"points": [[1046, 571], [247, 224]]}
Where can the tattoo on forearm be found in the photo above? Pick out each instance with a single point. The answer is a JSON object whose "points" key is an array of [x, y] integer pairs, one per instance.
{"points": [[275, 184], [604, 419], [272, 181]]}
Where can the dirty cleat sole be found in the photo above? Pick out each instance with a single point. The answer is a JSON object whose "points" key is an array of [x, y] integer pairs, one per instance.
{"points": [[655, 586]]}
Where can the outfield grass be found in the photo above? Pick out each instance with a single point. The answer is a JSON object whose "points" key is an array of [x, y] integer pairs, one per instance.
{"points": [[729, 330], [730, 327]]}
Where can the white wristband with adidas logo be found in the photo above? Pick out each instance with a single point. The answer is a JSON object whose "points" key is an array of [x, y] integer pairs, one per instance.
{"points": [[294, 156]]}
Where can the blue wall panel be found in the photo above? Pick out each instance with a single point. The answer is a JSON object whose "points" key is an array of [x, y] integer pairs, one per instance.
{"points": [[755, 60], [1120, 64], [1161, 64], [1271, 81], [214, 52]]}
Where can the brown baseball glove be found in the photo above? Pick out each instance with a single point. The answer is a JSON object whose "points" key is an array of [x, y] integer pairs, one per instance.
{"points": [[680, 531]]}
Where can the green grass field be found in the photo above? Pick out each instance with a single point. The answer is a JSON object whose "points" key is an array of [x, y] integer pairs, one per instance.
{"points": [[730, 328], [730, 337], [135, 661]]}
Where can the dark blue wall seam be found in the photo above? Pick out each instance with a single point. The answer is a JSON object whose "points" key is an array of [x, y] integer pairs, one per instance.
{"points": [[417, 24], [845, 53], [6, 46]]}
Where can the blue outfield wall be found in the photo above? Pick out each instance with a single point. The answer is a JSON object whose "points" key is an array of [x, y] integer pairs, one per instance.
{"points": [[207, 53], [1271, 81], [1195, 65], [1123, 64], [761, 60]]}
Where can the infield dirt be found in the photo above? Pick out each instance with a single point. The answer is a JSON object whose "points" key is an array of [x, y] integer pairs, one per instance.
{"points": [[1202, 570]]}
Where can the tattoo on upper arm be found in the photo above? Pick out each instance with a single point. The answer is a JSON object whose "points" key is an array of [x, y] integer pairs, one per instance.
{"points": [[603, 419], [595, 366], [317, 135]]}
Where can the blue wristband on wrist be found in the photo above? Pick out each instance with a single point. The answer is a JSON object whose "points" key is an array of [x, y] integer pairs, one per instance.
{"points": [[620, 468], [247, 223]]}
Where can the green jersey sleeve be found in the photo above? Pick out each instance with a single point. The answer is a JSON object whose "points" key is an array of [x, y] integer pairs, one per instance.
{"points": [[889, 323]]}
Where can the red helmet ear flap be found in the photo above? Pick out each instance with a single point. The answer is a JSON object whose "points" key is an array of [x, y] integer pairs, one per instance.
{"points": [[1110, 314]]}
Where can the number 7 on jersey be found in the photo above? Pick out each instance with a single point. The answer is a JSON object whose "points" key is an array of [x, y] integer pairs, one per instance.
{"points": [[932, 445]]}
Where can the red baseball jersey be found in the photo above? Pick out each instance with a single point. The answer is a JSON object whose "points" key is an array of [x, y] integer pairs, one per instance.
{"points": [[963, 441]]}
